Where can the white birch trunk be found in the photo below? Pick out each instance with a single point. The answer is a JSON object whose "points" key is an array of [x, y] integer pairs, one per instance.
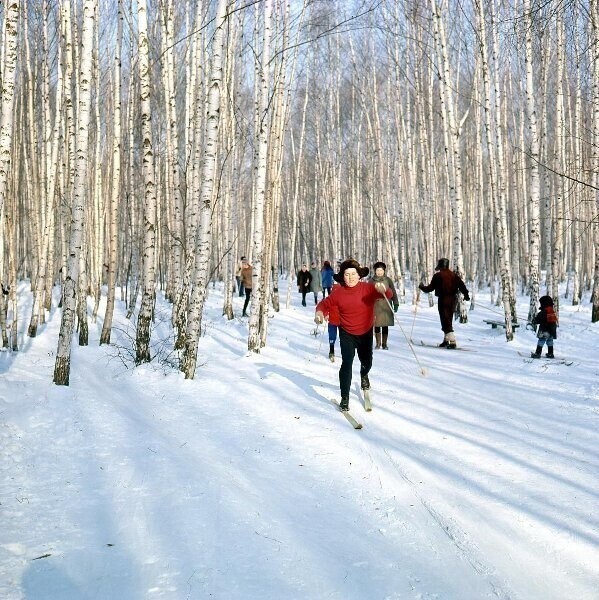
{"points": [[204, 233], [559, 165], [144, 318], [533, 164], [494, 135], [453, 130], [595, 152], [62, 365], [115, 191], [296, 189], [9, 66], [258, 278]]}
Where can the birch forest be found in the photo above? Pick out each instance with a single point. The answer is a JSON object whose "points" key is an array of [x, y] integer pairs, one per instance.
{"points": [[146, 145]]}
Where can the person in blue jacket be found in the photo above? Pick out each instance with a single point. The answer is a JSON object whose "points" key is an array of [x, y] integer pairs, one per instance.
{"points": [[326, 274]]}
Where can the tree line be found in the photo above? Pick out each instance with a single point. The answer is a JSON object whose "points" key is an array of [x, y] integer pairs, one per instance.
{"points": [[145, 145]]}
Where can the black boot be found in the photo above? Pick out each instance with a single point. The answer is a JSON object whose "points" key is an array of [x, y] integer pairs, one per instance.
{"points": [[377, 337], [550, 352], [385, 337], [344, 403], [332, 352], [537, 352], [364, 382]]}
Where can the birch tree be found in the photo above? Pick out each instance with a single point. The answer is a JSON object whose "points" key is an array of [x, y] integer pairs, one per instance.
{"points": [[595, 151], [497, 187], [453, 131], [8, 74], [62, 366], [115, 191], [534, 192], [204, 232], [146, 310], [262, 97]]}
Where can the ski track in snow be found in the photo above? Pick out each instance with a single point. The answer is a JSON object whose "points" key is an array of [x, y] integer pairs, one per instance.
{"points": [[476, 481], [459, 538]]}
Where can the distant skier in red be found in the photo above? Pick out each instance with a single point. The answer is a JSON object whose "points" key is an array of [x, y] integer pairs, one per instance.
{"points": [[354, 300]]}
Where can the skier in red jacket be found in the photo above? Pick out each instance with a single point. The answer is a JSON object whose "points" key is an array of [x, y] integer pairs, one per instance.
{"points": [[354, 300]]}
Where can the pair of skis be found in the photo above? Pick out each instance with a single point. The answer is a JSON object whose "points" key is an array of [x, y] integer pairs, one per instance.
{"points": [[351, 419], [422, 343], [529, 358]]}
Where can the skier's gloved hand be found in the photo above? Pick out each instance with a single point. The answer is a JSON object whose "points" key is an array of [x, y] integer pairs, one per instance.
{"points": [[466, 297], [395, 307], [318, 318], [420, 286], [380, 287]]}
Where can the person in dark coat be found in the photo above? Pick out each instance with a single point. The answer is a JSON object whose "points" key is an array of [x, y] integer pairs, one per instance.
{"points": [[446, 285], [383, 315], [304, 279], [547, 322]]}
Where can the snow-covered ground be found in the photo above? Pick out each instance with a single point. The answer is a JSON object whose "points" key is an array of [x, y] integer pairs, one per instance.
{"points": [[477, 479]]}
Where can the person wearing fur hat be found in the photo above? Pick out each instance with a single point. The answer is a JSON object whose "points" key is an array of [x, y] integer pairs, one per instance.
{"points": [[354, 300], [546, 319], [383, 315], [446, 285]]}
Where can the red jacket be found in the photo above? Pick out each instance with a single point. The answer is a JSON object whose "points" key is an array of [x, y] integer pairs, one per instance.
{"points": [[333, 314], [355, 306]]}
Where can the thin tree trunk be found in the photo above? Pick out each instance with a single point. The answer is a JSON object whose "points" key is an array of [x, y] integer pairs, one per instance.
{"points": [[204, 233], [144, 318], [258, 277], [533, 164], [595, 151], [62, 367], [8, 74], [115, 192]]}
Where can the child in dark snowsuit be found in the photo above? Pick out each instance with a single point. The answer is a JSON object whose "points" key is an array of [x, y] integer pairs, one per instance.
{"points": [[546, 319]]}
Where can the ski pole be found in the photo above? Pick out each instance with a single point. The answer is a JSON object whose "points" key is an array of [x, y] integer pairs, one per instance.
{"points": [[422, 369], [414, 319]]}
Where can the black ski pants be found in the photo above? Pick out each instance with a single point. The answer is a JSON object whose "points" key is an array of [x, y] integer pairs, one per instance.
{"points": [[248, 296], [350, 344]]}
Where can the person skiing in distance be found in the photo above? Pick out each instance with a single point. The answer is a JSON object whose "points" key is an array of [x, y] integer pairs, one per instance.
{"points": [[333, 325], [354, 300], [316, 283], [383, 315], [326, 274], [246, 283], [446, 285], [547, 322], [240, 289], [304, 278]]}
